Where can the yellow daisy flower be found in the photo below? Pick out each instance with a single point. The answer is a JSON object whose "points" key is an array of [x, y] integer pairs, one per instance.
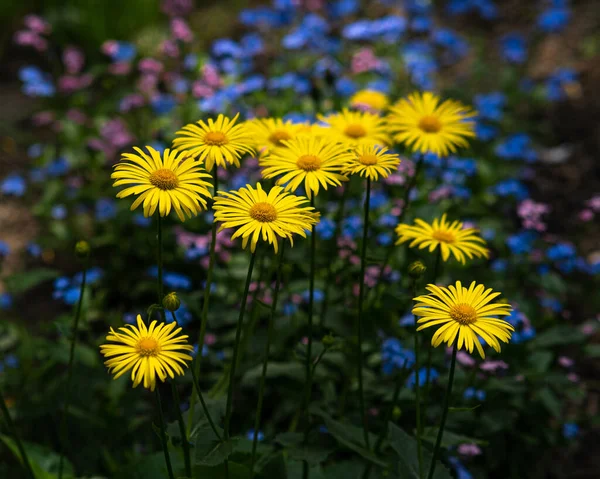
{"points": [[173, 181], [221, 141], [357, 128], [449, 237], [269, 133], [463, 314], [426, 125], [257, 215], [369, 100], [313, 160], [372, 162], [150, 352]]}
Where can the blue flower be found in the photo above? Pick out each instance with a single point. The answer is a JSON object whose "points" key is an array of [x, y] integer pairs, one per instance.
{"points": [[387, 220], [394, 356], [140, 220], [252, 44], [58, 167], [11, 361], [34, 250], [35, 150], [345, 87], [290, 80], [289, 308], [561, 251], [489, 106], [485, 132], [554, 19], [226, 47], [521, 242], [385, 239], [6, 301], [36, 82], [516, 147], [252, 83], [552, 304], [556, 83], [259, 436], [570, 430], [499, 265], [514, 47], [264, 16], [163, 104], [461, 471], [412, 379], [472, 393], [183, 315], [511, 187], [325, 228], [190, 62], [13, 185], [342, 8], [58, 212], [352, 225], [456, 47], [318, 295], [421, 24], [419, 61], [105, 209], [124, 52], [172, 280]]}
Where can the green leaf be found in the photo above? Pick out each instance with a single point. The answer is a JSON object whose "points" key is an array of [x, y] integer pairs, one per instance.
{"points": [[549, 401], [540, 361], [21, 282], [43, 461], [209, 451], [405, 447], [292, 370], [236, 471], [313, 455], [450, 438], [557, 336], [289, 439], [592, 350]]}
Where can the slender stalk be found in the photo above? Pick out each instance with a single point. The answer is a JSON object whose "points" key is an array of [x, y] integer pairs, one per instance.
{"points": [[436, 272], [184, 439], [336, 232], [418, 391], [359, 322], [388, 416], [261, 389], [238, 334], [405, 206], [311, 302], [65, 411], [163, 435], [159, 262], [205, 302], [438, 441], [203, 403], [13, 430]]}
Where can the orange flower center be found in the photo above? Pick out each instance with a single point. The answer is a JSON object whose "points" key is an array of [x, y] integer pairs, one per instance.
{"points": [[368, 159], [164, 179], [355, 131], [263, 212], [308, 163], [277, 137], [430, 124], [215, 138], [444, 236], [463, 314], [147, 347]]}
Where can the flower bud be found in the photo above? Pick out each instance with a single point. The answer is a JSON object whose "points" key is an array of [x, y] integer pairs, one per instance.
{"points": [[328, 340], [82, 249], [396, 412], [171, 302], [416, 269]]}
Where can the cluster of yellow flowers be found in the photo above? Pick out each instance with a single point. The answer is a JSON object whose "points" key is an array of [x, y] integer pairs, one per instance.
{"points": [[309, 156]]}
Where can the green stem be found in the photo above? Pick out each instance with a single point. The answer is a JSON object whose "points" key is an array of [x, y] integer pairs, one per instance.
{"points": [[261, 389], [184, 439], [418, 391], [359, 322], [238, 334], [311, 300], [203, 403], [163, 435], [13, 430], [338, 226], [388, 416], [438, 441], [65, 412], [405, 205], [436, 272], [205, 302], [159, 262]]}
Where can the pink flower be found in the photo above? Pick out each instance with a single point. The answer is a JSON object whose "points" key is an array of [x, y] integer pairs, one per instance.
{"points": [[530, 213], [586, 215], [574, 378], [492, 366], [150, 65], [440, 193], [119, 68], [200, 90], [43, 118], [169, 48], [594, 203], [73, 59], [37, 24], [210, 339], [26, 38], [181, 31], [364, 60], [132, 101], [210, 76], [465, 359], [305, 340], [588, 329], [147, 84], [110, 47], [177, 8], [469, 450], [77, 116], [296, 298], [565, 362]]}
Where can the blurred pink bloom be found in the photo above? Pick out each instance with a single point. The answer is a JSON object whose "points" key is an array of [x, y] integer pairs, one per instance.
{"points": [[77, 116], [147, 84], [296, 298], [364, 60], [492, 366], [132, 101], [469, 450], [177, 8], [150, 65], [465, 359], [181, 31], [531, 212], [565, 362], [586, 215], [354, 259], [312, 5], [210, 76], [210, 339], [374, 411], [30, 39], [43, 118], [71, 83], [110, 47], [594, 203], [73, 60], [396, 210], [37, 24], [200, 90], [169, 48], [395, 179], [355, 289], [574, 378], [588, 329], [114, 135], [305, 340], [440, 193], [119, 68], [519, 378]]}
